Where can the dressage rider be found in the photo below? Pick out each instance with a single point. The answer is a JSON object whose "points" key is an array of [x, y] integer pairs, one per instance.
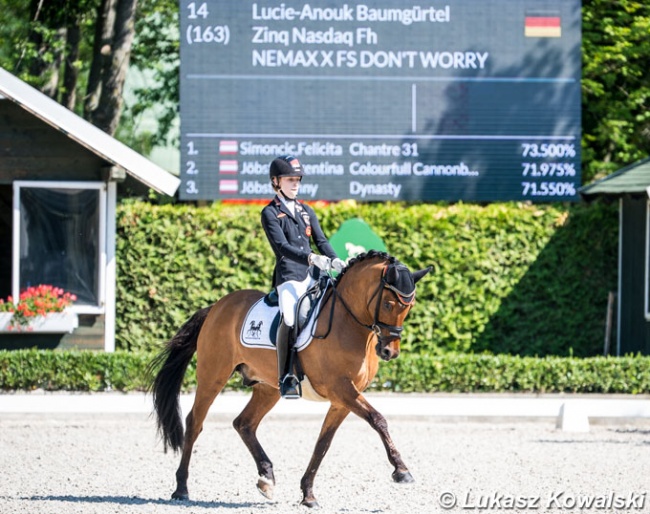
{"points": [[290, 227]]}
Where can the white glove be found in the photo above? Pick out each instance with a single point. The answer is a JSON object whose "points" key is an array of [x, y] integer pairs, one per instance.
{"points": [[338, 265], [321, 261]]}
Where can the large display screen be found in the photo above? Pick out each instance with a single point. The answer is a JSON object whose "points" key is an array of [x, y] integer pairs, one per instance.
{"points": [[474, 100]]}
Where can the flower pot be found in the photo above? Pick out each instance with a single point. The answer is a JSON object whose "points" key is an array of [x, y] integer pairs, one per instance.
{"points": [[5, 319], [54, 322]]}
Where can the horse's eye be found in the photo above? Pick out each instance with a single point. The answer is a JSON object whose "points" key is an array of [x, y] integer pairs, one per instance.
{"points": [[388, 306]]}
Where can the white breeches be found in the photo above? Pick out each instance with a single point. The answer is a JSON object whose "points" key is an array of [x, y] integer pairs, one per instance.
{"points": [[289, 293]]}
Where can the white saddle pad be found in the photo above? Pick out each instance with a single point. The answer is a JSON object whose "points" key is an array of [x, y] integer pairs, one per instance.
{"points": [[261, 322]]}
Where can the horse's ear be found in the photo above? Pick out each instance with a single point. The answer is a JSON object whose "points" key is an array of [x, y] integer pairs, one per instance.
{"points": [[391, 275], [419, 274]]}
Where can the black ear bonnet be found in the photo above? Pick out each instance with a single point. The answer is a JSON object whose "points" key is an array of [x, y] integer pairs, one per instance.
{"points": [[399, 280]]}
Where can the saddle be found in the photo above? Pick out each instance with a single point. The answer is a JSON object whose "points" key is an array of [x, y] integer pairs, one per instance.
{"points": [[260, 326]]}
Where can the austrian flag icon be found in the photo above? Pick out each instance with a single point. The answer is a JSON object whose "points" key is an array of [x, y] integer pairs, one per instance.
{"points": [[228, 187], [228, 147], [228, 167]]}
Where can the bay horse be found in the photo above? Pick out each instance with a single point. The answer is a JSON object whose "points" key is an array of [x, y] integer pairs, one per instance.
{"points": [[361, 320]]}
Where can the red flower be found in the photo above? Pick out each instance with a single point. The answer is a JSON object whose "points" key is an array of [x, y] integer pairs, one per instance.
{"points": [[36, 301]]}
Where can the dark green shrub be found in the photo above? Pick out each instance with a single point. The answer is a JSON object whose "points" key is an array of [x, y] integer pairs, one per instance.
{"points": [[127, 371], [507, 278]]}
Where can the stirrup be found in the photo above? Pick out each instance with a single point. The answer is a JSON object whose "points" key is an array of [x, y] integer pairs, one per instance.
{"points": [[290, 387]]}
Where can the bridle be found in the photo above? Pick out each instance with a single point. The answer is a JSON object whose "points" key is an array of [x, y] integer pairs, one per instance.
{"points": [[377, 327]]}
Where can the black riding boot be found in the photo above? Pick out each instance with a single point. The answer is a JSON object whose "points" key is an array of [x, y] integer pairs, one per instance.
{"points": [[288, 381]]}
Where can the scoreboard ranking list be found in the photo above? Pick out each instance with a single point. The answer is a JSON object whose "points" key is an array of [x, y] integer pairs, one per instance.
{"points": [[475, 100]]}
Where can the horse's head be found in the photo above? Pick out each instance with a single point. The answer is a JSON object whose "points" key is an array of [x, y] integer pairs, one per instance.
{"points": [[391, 295], [395, 298]]}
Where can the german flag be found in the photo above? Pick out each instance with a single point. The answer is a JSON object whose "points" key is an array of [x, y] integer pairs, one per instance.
{"points": [[542, 25]]}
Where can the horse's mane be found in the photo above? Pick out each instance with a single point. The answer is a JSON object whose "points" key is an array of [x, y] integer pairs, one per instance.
{"points": [[363, 257]]}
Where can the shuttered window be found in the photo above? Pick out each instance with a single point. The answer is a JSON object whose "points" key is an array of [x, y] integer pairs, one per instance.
{"points": [[59, 239]]}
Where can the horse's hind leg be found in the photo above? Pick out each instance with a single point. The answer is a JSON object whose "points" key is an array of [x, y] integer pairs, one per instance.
{"points": [[262, 401], [205, 395]]}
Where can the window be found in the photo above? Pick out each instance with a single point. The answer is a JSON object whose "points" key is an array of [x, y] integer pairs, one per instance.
{"points": [[60, 239]]}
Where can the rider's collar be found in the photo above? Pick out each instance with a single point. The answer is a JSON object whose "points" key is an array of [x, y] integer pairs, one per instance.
{"points": [[288, 203]]}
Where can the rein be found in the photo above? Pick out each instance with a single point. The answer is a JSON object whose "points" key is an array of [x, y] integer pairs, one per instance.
{"points": [[394, 331]]}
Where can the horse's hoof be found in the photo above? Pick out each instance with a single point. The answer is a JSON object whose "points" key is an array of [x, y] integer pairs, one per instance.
{"points": [[180, 496], [312, 504], [403, 477], [265, 487]]}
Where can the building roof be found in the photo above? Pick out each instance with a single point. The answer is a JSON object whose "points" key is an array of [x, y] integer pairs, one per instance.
{"points": [[633, 179], [87, 134]]}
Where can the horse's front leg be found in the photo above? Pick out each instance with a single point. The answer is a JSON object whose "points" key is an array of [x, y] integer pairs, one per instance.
{"points": [[364, 410], [333, 420]]}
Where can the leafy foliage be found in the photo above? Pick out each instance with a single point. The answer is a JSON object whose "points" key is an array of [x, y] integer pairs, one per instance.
{"points": [[462, 373], [615, 85], [156, 53], [14, 29], [507, 278], [27, 37], [127, 371], [174, 260], [72, 371]]}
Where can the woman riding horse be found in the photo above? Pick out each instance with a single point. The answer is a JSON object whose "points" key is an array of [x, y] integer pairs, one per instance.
{"points": [[361, 321], [289, 226]]}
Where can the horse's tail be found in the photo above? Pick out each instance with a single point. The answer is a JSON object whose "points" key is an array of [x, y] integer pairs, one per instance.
{"points": [[166, 386]]}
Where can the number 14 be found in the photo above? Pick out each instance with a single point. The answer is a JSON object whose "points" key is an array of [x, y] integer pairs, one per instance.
{"points": [[202, 11]]}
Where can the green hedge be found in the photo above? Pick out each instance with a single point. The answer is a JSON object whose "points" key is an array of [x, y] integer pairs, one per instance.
{"points": [[127, 371], [508, 278]]}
